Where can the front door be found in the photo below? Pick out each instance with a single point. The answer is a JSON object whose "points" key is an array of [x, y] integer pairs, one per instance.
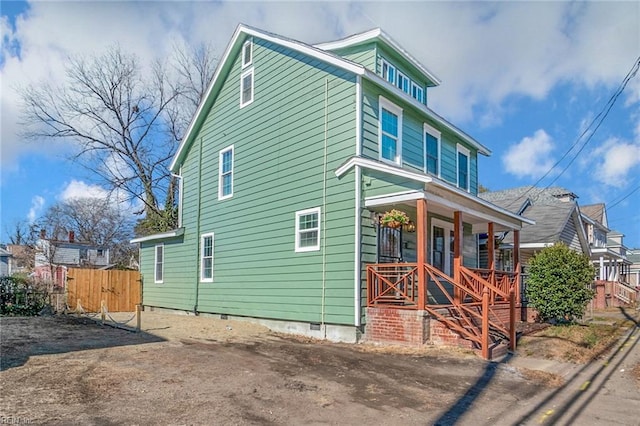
{"points": [[442, 245]]}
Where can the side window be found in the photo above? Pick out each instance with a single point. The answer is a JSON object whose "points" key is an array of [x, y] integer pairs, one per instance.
{"points": [[308, 230], [417, 92], [463, 167], [432, 150], [388, 72], [390, 132], [403, 82], [159, 264], [246, 87], [225, 177], [247, 53], [206, 258]]}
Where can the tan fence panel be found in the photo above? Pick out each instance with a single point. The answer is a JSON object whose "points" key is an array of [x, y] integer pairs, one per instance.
{"points": [[121, 291]]}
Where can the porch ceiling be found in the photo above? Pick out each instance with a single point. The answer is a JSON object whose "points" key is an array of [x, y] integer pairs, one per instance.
{"points": [[476, 213]]}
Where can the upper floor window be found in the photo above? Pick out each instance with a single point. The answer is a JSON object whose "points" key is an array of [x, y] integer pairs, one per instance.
{"points": [[100, 253], [247, 53], [159, 264], [388, 72], [206, 258], [390, 142], [246, 87], [403, 82], [432, 150], [225, 178], [417, 92], [308, 230], [463, 167]]}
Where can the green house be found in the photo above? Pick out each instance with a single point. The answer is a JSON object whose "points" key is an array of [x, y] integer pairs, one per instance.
{"points": [[292, 158]]}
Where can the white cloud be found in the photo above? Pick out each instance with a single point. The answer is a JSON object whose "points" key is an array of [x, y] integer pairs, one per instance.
{"points": [[530, 157], [615, 160], [484, 52], [37, 202], [80, 189]]}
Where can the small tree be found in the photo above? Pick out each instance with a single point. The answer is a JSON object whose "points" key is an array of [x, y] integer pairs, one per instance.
{"points": [[559, 283]]}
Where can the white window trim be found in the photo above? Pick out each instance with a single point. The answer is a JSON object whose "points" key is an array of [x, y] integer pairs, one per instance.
{"points": [[389, 66], [155, 263], [438, 135], [202, 237], [404, 77], [465, 151], [448, 228], [253, 81], [419, 88], [220, 181], [250, 44], [388, 105], [316, 247]]}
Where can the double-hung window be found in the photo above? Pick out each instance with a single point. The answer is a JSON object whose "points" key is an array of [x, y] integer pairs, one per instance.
{"points": [[417, 92], [463, 167], [206, 258], [225, 178], [390, 137], [246, 87], [308, 230], [388, 72], [403, 82], [432, 150], [158, 275]]}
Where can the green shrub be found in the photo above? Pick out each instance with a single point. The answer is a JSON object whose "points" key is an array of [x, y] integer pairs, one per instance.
{"points": [[559, 283], [18, 297]]}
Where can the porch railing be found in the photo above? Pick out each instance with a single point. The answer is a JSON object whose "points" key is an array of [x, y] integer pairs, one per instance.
{"points": [[393, 284], [467, 310], [624, 293], [499, 283]]}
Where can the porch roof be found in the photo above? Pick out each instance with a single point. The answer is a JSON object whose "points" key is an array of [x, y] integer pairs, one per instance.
{"points": [[443, 197]]}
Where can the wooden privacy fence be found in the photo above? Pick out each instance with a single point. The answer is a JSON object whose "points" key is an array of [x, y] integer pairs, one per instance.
{"points": [[120, 290]]}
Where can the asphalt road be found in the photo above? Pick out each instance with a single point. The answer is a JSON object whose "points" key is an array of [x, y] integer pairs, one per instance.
{"points": [[600, 393]]}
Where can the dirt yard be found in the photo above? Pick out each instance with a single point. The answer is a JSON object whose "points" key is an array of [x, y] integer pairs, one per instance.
{"points": [[185, 370]]}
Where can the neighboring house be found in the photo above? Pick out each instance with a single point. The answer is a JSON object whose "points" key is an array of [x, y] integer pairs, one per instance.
{"points": [[557, 220], [292, 156], [53, 257], [22, 258], [5, 262], [633, 256], [609, 257]]}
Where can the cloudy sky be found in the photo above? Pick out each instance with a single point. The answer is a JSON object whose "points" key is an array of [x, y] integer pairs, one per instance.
{"points": [[526, 79]]}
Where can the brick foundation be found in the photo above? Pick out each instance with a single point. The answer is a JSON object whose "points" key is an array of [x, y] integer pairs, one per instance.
{"points": [[399, 326]]}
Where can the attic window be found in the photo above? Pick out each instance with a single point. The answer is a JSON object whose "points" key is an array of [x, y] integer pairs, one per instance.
{"points": [[388, 72], [247, 53], [246, 88]]}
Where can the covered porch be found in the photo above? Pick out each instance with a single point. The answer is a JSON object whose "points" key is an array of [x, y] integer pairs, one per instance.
{"points": [[433, 265]]}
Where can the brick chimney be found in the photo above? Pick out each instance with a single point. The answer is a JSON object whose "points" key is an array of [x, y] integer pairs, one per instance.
{"points": [[72, 236], [43, 234]]}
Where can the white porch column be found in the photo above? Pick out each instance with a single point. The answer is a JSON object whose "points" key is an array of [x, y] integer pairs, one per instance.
{"points": [[601, 275]]}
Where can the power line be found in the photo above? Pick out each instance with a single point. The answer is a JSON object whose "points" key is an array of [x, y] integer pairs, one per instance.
{"points": [[601, 116]]}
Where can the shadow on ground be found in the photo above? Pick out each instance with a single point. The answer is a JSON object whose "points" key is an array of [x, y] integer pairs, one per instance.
{"points": [[23, 337]]}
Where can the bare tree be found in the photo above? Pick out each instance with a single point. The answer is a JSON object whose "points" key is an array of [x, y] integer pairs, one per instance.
{"points": [[95, 221], [124, 120]]}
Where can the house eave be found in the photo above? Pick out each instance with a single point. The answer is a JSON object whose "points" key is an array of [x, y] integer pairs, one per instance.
{"points": [[224, 65], [376, 79], [378, 33], [161, 236], [425, 179]]}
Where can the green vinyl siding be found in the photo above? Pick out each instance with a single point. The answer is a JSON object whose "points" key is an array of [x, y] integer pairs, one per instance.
{"points": [[176, 290], [279, 168], [364, 54]]}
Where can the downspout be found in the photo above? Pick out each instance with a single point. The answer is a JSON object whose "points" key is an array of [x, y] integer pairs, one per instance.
{"points": [[358, 213], [195, 303], [324, 206]]}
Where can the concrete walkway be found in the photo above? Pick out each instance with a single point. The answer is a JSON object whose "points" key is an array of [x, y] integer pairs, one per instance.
{"points": [[600, 393]]}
